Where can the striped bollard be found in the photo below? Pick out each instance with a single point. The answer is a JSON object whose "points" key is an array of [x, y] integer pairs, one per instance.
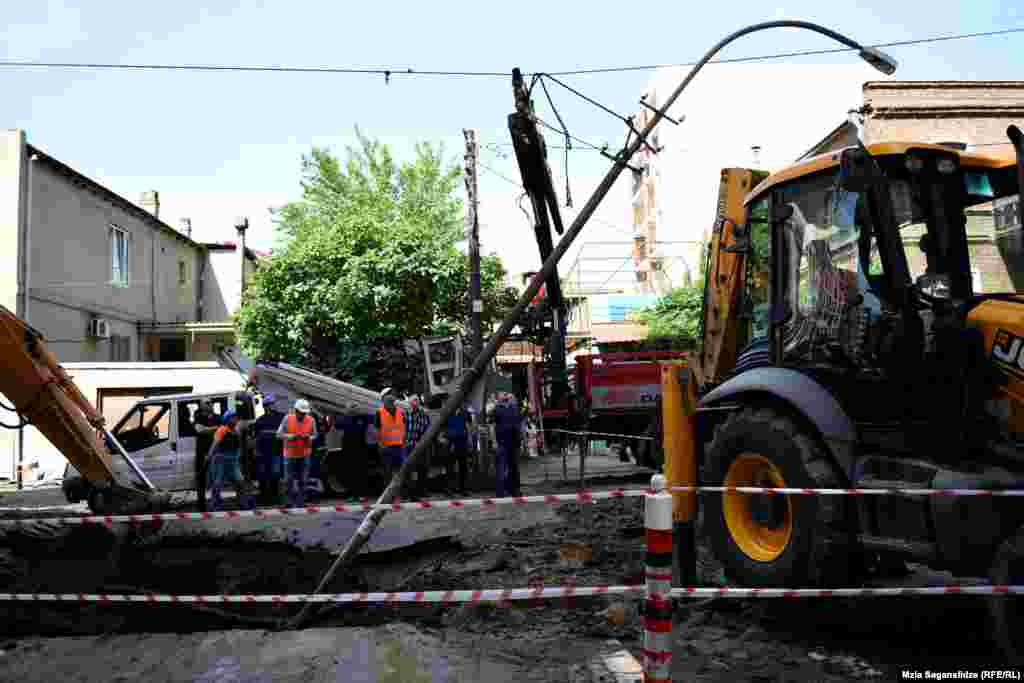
{"points": [[658, 604]]}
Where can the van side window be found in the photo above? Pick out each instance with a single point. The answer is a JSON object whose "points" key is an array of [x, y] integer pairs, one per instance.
{"points": [[145, 426]]}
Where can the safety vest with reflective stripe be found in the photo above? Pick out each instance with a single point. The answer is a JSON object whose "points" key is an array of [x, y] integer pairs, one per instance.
{"points": [[299, 448], [392, 427]]}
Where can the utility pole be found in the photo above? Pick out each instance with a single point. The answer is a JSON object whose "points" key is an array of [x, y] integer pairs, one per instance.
{"points": [[473, 236], [476, 304]]}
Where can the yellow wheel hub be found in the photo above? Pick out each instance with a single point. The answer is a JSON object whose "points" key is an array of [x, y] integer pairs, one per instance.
{"points": [[758, 540]]}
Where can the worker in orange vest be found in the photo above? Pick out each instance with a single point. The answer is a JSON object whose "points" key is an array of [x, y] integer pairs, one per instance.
{"points": [[390, 424], [297, 431]]}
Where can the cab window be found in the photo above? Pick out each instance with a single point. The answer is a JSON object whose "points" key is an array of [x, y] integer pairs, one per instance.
{"points": [[144, 426], [759, 268]]}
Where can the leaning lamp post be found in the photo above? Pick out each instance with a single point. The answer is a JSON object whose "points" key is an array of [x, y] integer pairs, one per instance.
{"points": [[872, 56]]}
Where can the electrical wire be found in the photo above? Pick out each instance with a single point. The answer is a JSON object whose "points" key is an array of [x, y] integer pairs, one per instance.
{"points": [[568, 140], [389, 72], [603, 150], [576, 92], [504, 177], [798, 53]]}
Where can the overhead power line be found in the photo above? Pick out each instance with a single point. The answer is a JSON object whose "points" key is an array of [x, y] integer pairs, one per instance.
{"points": [[504, 177], [387, 73], [797, 53]]}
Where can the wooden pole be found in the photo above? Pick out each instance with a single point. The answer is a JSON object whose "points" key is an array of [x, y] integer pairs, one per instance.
{"points": [[473, 234]]}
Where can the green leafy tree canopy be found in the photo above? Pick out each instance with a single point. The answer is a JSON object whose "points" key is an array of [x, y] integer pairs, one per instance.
{"points": [[676, 314], [370, 251]]}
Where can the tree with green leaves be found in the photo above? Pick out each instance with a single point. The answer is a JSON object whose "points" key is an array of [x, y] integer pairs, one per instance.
{"points": [[370, 251], [676, 314]]}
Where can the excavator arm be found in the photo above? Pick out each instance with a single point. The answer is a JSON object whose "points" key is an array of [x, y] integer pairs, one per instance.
{"points": [[723, 333], [47, 398]]}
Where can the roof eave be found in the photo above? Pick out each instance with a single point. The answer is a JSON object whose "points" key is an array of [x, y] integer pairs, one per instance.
{"points": [[108, 194]]}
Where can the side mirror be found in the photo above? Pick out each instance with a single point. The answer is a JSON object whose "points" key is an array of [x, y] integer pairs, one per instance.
{"points": [[857, 171]]}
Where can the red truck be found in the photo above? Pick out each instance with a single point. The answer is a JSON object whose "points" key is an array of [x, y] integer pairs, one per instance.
{"points": [[618, 393]]}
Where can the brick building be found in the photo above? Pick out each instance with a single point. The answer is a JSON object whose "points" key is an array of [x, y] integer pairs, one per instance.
{"points": [[972, 113]]}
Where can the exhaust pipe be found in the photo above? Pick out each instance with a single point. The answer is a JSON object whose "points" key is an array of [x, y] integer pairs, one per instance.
{"points": [[1017, 139]]}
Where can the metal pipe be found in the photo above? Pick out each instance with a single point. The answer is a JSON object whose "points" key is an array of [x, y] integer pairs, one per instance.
{"points": [[490, 350], [26, 296], [128, 459]]}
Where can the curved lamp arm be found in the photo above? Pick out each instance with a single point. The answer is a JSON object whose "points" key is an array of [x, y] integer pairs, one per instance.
{"points": [[872, 56]]}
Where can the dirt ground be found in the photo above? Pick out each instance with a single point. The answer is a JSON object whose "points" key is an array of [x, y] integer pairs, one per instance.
{"points": [[571, 544]]}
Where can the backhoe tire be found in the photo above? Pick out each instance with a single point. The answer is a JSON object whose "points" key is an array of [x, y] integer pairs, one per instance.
{"points": [[1007, 611], [775, 541]]}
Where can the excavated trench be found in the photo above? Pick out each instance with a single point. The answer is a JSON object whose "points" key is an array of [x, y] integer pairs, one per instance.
{"points": [[887, 632], [36, 558]]}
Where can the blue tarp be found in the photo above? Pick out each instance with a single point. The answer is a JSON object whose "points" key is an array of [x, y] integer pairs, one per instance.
{"points": [[612, 308]]}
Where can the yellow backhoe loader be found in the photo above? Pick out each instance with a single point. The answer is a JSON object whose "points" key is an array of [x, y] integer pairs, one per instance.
{"points": [[844, 346]]}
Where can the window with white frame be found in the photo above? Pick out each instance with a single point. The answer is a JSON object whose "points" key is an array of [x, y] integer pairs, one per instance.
{"points": [[119, 241]]}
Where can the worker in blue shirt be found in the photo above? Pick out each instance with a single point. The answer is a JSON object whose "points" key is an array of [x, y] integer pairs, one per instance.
{"points": [[508, 429], [457, 433], [269, 451]]}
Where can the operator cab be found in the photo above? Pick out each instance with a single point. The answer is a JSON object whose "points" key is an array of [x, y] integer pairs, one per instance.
{"points": [[860, 274]]}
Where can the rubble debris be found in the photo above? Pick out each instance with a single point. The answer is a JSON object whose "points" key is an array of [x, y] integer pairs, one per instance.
{"points": [[575, 555]]}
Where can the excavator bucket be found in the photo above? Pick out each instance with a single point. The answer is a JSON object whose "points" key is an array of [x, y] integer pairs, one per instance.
{"points": [[48, 399]]}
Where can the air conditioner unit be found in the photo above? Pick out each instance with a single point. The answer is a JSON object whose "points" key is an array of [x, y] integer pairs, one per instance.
{"points": [[99, 328]]}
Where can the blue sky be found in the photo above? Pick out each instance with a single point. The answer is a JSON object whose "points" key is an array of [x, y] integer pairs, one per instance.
{"points": [[220, 144]]}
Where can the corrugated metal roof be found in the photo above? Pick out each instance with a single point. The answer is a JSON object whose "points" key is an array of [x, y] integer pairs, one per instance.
{"points": [[606, 333]]}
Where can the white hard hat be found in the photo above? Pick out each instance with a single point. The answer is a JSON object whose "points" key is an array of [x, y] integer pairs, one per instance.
{"points": [[302, 405], [385, 392]]}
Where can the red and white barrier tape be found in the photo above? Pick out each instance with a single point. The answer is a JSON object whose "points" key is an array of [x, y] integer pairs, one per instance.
{"points": [[579, 497], [727, 592], [616, 436], [515, 594], [848, 492], [458, 596]]}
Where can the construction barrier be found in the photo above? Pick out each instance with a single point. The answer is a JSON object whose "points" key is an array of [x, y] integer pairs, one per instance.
{"points": [[500, 596], [397, 506], [552, 499], [657, 590], [851, 492], [657, 604]]}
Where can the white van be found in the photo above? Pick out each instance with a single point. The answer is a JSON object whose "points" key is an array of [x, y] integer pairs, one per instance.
{"points": [[159, 435]]}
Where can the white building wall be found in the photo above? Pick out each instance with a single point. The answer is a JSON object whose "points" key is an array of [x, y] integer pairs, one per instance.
{"points": [[728, 109], [222, 288]]}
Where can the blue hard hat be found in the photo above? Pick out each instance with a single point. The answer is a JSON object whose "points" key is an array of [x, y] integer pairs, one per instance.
{"points": [[228, 416]]}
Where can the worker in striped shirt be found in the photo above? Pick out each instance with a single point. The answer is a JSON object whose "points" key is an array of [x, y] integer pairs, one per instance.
{"points": [[416, 425]]}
